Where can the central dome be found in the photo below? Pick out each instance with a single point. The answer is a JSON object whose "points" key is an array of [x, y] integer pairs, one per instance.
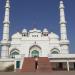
{"points": [[53, 36]]}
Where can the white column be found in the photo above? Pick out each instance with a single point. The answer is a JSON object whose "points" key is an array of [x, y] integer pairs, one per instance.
{"points": [[62, 22], [63, 30], [5, 40], [6, 21], [68, 66], [15, 66]]}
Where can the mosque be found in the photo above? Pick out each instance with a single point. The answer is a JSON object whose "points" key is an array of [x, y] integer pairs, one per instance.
{"points": [[35, 50]]}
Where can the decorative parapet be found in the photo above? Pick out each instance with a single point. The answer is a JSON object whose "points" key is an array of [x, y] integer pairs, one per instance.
{"points": [[64, 42], [57, 56]]}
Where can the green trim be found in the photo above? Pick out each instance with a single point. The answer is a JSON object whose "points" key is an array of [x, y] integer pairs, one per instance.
{"points": [[17, 64], [35, 53]]}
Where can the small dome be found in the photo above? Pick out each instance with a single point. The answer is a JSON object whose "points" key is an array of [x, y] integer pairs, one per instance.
{"points": [[45, 30], [24, 31], [16, 35], [34, 29], [61, 2], [53, 36]]}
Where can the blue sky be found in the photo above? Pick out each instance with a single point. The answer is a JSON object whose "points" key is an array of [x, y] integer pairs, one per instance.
{"points": [[40, 14]]}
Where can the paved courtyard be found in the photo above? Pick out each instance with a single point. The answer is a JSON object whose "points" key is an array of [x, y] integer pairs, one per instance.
{"points": [[37, 73]]}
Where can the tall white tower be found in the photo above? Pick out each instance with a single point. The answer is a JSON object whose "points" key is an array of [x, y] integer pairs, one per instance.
{"points": [[5, 40], [64, 41]]}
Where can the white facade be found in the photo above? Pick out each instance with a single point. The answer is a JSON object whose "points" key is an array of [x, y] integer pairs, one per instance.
{"points": [[34, 42]]}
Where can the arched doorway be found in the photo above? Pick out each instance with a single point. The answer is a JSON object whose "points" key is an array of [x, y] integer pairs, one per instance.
{"points": [[35, 53]]}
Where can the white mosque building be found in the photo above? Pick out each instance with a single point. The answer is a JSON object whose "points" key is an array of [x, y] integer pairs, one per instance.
{"points": [[36, 44]]}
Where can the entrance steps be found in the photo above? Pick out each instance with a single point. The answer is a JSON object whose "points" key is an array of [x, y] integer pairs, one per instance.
{"points": [[29, 65], [44, 65]]}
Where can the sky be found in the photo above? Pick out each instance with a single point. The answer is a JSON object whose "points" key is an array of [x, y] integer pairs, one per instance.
{"points": [[39, 14]]}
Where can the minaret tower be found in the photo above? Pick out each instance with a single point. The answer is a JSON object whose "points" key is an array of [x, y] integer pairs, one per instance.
{"points": [[64, 40], [6, 23], [62, 22]]}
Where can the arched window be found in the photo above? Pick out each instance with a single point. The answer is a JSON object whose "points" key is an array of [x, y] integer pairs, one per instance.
{"points": [[35, 53], [54, 51], [13, 53]]}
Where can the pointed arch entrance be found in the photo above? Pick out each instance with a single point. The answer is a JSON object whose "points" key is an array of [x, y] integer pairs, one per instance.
{"points": [[35, 51]]}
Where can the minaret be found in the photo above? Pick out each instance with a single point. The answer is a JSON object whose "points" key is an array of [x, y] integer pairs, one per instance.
{"points": [[62, 22], [63, 30], [6, 23]]}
